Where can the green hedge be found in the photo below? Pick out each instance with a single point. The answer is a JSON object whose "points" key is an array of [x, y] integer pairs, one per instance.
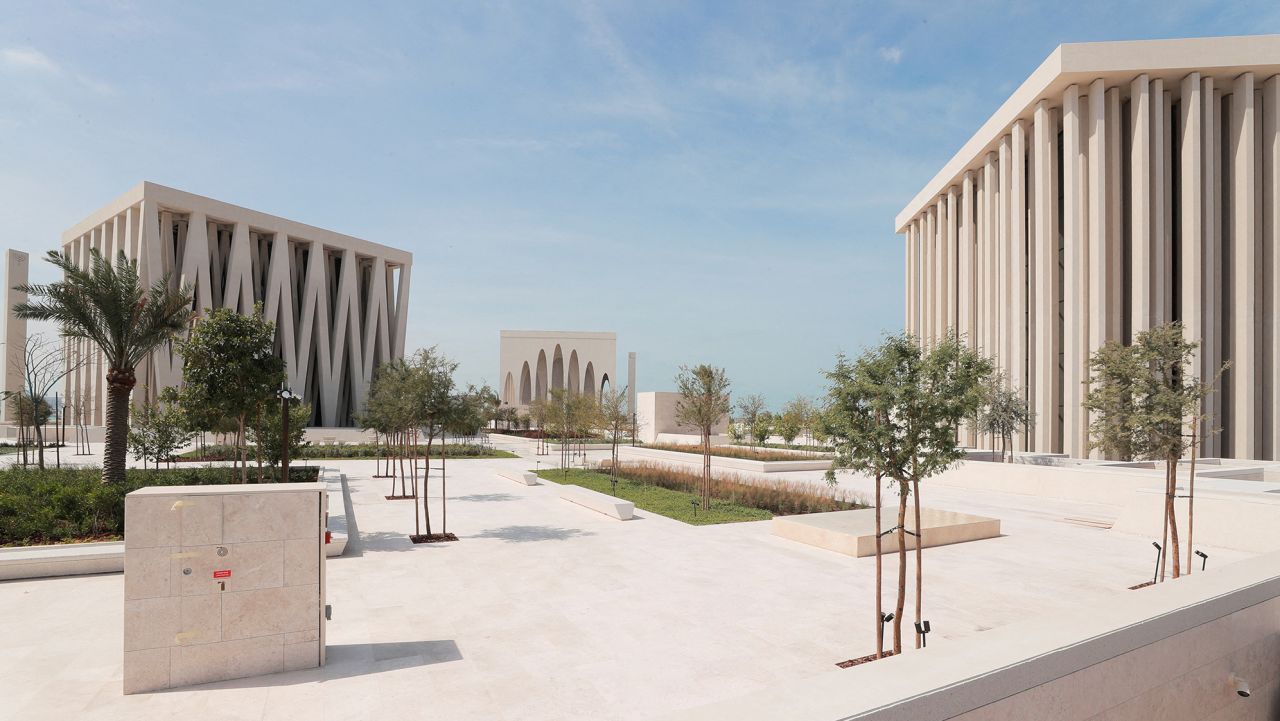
{"points": [[56, 506], [321, 451]]}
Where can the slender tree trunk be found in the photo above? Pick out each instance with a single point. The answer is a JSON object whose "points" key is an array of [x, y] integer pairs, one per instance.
{"points": [[706, 469], [1191, 495], [242, 442], [1164, 530], [903, 490], [1172, 465], [426, 509], [39, 445], [879, 575], [444, 488], [919, 555], [257, 448], [120, 382]]}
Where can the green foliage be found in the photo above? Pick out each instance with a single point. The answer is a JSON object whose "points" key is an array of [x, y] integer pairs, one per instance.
{"points": [[1143, 395], [1003, 412], [156, 431], [788, 425], [893, 410], [663, 501], [470, 412], [749, 410], [267, 432], [704, 397], [737, 432], [56, 505], [762, 427], [229, 367]]}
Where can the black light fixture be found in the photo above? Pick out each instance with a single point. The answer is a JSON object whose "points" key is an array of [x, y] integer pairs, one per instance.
{"points": [[922, 628], [1204, 559], [1159, 555], [693, 503], [285, 395]]}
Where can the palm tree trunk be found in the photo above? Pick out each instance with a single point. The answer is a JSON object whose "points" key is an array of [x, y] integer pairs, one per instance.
{"points": [[903, 489], [119, 385]]}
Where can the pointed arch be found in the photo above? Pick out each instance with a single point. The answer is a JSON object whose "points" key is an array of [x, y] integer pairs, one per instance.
{"points": [[589, 379], [604, 384], [526, 393], [540, 377], [557, 369], [509, 390], [574, 386]]}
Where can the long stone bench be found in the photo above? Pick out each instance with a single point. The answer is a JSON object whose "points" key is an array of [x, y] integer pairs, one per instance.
{"points": [[338, 526], [525, 477], [596, 501], [65, 559]]}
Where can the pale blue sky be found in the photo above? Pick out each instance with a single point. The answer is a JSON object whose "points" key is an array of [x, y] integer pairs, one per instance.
{"points": [[714, 181]]}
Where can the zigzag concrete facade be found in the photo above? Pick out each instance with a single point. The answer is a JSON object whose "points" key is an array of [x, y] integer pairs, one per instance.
{"points": [[340, 304], [1123, 185]]}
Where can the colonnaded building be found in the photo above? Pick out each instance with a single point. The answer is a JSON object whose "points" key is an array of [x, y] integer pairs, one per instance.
{"points": [[340, 304], [1121, 186]]}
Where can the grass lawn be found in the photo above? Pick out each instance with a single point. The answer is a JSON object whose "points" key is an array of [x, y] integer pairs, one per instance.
{"points": [[655, 499], [334, 452], [743, 452]]}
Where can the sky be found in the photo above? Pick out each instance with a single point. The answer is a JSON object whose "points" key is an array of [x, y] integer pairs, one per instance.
{"points": [[714, 181]]}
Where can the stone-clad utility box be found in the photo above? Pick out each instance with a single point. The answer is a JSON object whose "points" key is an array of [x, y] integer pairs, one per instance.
{"points": [[222, 582]]}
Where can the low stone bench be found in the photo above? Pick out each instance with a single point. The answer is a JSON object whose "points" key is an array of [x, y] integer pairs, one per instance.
{"points": [[65, 559], [336, 543], [525, 477], [596, 501]]}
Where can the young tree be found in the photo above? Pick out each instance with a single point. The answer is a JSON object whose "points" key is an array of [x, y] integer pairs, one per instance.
{"points": [[1003, 413], [109, 306], [430, 388], [1147, 394], [892, 414], [762, 427], [230, 369], [704, 401], [157, 432], [267, 432], [797, 414], [614, 419], [42, 365], [749, 410], [787, 426]]}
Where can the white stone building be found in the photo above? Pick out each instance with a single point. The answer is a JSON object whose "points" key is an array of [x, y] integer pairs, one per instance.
{"points": [[1121, 186], [534, 362], [340, 303]]}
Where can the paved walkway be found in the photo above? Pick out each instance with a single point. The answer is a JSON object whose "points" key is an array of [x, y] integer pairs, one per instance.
{"points": [[546, 610]]}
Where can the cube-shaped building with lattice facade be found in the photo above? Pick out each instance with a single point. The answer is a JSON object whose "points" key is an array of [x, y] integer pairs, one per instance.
{"points": [[340, 304]]}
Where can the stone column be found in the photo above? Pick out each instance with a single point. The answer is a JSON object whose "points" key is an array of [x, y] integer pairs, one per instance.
{"points": [[1075, 277], [944, 258], [1098, 252], [1003, 258], [1271, 239], [1140, 201], [1045, 375], [1016, 344], [1212, 351], [1243, 261], [16, 265], [953, 272], [1161, 243], [1192, 250]]}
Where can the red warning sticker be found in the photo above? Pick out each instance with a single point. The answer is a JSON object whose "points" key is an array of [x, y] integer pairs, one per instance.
{"points": [[224, 573]]}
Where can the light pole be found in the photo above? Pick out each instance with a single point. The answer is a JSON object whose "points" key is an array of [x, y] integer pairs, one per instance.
{"points": [[286, 395]]}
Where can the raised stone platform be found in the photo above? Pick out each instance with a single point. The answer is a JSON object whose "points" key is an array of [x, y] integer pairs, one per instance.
{"points": [[853, 532]]}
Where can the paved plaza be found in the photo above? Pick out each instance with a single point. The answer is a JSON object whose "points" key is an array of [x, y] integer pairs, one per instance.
{"points": [[547, 610]]}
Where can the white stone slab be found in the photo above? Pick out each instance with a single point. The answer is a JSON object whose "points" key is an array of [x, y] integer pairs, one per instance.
{"points": [[853, 533], [525, 477], [596, 501]]}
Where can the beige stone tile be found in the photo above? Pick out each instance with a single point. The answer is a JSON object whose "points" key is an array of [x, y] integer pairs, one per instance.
{"points": [[150, 622], [147, 571], [270, 516], [252, 566], [146, 670], [311, 634], [301, 655], [301, 562], [229, 659], [270, 611], [150, 521], [201, 520], [201, 620]]}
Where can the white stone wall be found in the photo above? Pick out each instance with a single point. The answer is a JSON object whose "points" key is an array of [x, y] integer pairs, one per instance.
{"points": [[532, 363]]}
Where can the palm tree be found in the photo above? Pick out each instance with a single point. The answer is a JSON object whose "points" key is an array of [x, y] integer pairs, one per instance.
{"points": [[109, 306]]}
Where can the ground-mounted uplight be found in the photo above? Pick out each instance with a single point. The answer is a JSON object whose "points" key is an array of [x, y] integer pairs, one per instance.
{"points": [[1204, 559], [1159, 555], [923, 629]]}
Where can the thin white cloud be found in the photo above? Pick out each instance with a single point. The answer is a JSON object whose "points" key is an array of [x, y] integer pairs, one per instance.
{"points": [[892, 54], [28, 59], [641, 98]]}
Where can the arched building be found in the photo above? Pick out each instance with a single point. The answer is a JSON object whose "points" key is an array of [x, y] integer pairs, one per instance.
{"points": [[535, 362]]}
